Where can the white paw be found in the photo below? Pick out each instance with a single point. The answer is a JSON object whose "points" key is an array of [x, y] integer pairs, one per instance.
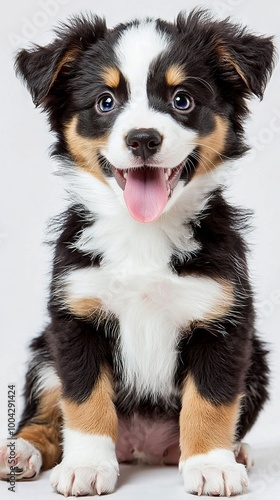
{"points": [[89, 465], [19, 458], [214, 473], [79, 481]]}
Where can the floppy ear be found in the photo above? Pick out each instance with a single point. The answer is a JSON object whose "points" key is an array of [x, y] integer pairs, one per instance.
{"points": [[41, 67], [246, 61], [240, 59]]}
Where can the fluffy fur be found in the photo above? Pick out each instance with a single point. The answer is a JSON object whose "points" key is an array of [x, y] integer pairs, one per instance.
{"points": [[151, 351]]}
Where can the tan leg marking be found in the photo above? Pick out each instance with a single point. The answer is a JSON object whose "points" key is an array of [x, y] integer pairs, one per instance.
{"points": [[44, 429], [175, 75], [97, 415], [111, 77], [211, 147], [84, 150], [204, 426]]}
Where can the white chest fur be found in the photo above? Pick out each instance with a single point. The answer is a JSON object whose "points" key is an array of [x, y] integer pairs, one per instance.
{"points": [[152, 303]]}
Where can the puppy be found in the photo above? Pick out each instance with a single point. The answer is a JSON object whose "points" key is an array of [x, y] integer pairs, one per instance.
{"points": [[150, 353]]}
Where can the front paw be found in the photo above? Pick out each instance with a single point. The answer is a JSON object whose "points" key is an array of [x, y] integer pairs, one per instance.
{"points": [[71, 480], [89, 465], [214, 473]]}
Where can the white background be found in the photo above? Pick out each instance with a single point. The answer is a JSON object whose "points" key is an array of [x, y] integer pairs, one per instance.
{"points": [[30, 194]]}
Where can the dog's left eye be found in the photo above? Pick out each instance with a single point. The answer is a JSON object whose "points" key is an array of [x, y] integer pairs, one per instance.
{"points": [[106, 103], [182, 101]]}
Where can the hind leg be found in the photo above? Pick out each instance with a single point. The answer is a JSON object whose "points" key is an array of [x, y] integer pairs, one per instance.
{"points": [[36, 444], [243, 455], [19, 457], [256, 389], [256, 394]]}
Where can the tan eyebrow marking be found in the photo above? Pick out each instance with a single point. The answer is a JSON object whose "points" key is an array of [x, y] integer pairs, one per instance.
{"points": [[111, 76], [175, 75]]}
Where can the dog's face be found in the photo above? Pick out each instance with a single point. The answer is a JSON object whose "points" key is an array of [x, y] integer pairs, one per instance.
{"points": [[148, 106]]}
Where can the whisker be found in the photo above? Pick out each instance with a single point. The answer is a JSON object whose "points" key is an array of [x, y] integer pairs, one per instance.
{"points": [[221, 155], [208, 164], [104, 163], [188, 163], [205, 162], [202, 81]]}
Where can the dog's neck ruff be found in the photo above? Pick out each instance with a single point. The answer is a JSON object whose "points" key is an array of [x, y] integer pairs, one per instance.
{"points": [[114, 226]]}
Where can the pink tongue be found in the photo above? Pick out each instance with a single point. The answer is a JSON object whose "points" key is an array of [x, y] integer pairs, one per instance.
{"points": [[145, 193]]}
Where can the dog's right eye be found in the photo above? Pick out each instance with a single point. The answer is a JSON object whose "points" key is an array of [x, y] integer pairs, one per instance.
{"points": [[106, 103], [182, 101]]}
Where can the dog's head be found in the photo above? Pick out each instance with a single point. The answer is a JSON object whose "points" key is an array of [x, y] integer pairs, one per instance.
{"points": [[148, 106]]}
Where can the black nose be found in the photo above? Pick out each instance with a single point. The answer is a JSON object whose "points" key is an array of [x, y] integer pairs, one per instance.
{"points": [[144, 142]]}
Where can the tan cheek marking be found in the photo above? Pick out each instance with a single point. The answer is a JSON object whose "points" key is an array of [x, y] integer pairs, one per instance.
{"points": [[85, 150], [175, 75], [44, 429], [111, 77], [97, 415], [211, 147], [204, 426]]}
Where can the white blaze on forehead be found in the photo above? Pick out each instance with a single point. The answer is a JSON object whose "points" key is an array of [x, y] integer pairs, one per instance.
{"points": [[137, 48]]}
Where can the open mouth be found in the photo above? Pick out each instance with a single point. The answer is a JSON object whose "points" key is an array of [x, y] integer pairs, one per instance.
{"points": [[147, 189]]}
